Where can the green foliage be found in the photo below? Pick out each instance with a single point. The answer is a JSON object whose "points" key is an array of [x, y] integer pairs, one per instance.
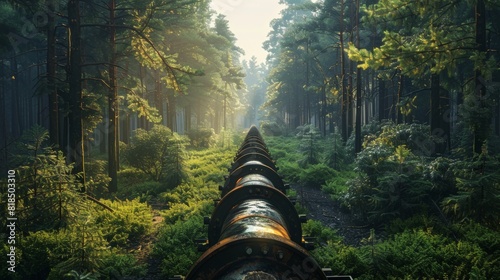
{"points": [[83, 249], [338, 186], [336, 152], [201, 137], [321, 233], [176, 245], [391, 184], [96, 178], [422, 254], [51, 192], [191, 207], [412, 254], [316, 175], [120, 266], [290, 171], [283, 149], [271, 129], [488, 240], [73, 274], [129, 222], [142, 107], [478, 190], [209, 165], [309, 147], [131, 176], [158, 153], [144, 190], [417, 38]]}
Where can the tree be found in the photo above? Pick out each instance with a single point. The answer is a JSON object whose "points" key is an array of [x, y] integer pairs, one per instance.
{"points": [[52, 190], [432, 50], [75, 150], [477, 193]]}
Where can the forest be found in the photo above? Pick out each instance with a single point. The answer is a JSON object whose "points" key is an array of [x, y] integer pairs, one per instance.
{"points": [[120, 118]]}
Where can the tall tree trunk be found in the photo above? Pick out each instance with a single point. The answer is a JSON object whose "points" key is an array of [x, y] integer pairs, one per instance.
{"points": [[381, 100], [171, 111], [350, 100], [483, 123], [15, 110], [357, 138], [350, 92], [397, 103], [3, 126], [307, 107], [344, 102], [51, 73], [323, 110], [113, 135], [158, 93], [188, 117], [76, 151], [435, 112]]}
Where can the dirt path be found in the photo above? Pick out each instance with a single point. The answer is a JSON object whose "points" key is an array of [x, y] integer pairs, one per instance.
{"points": [[322, 208]]}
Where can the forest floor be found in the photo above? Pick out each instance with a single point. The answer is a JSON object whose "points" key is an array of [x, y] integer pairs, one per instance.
{"points": [[146, 247], [322, 208]]}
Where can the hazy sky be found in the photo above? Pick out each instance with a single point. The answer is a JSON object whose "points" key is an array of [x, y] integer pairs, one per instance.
{"points": [[249, 21]]}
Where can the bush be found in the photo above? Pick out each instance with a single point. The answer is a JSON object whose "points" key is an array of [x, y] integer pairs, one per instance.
{"points": [[97, 179], [158, 153], [210, 165], [145, 190], [322, 234], [309, 147], [391, 182], [271, 129], [52, 254], [119, 266], [51, 193], [201, 137], [338, 186], [290, 171], [176, 245], [130, 221], [412, 254], [316, 175]]}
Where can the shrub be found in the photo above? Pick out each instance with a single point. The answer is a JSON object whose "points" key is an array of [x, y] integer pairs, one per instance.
{"points": [[391, 183], [420, 254], [337, 186], [50, 192], [53, 254], [130, 221], [176, 245], [201, 137], [97, 179], [478, 190], [145, 190], [120, 266], [336, 153], [271, 129], [158, 153], [309, 147], [321, 233], [290, 171], [210, 165], [316, 175]]}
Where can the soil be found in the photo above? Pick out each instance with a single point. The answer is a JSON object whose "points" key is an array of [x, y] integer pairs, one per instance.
{"points": [[322, 208]]}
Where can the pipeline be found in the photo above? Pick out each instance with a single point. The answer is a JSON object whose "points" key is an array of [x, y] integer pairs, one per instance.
{"points": [[254, 231]]}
